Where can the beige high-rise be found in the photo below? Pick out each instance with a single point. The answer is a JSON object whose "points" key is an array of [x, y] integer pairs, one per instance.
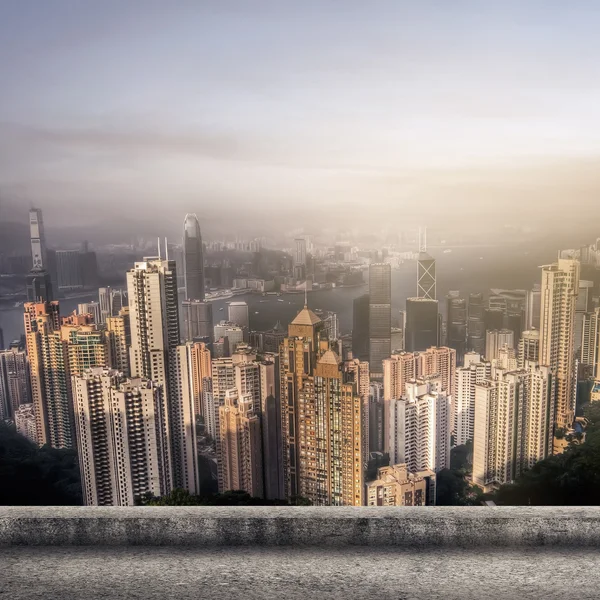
{"points": [[397, 486], [560, 285], [240, 446], [321, 417], [120, 441], [119, 340]]}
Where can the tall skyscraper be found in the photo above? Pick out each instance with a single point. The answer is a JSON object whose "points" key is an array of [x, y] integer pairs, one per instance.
{"points": [[240, 445], [421, 324], [474, 372], [426, 278], [357, 372], [321, 419], [475, 324], [193, 258], [239, 314], [513, 424], [456, 324], [40, 287], [529, 348], [380, 316], [590, 344], [496, 339], [560, 285], [201, 367], [121, 442], [25, 422], [69, 271], [154, 355], [360, 327], [118, 334]]}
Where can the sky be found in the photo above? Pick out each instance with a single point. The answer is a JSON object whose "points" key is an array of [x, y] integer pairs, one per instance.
{"points": [[379, 110]]}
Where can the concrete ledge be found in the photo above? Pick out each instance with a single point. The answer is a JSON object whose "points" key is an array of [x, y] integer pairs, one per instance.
{"points": [[301, 526]]}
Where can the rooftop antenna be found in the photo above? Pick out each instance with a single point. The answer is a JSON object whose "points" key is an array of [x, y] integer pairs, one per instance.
{"points": [[158, 240], [166, 248]]}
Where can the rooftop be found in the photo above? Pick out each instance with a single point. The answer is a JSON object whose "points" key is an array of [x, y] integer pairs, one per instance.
{"points": [[306, 317]]}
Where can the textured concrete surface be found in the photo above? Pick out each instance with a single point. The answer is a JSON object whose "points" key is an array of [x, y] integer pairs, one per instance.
{"points": [[302, 526], [297, 573]]}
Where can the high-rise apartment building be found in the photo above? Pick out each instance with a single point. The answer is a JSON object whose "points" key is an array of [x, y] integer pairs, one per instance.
{"points": [[376, 417], [397, 486], [380, 316], [122, 447], [15, 383], [240, 444], [321, 422], [118, 333], [474, 372], [419, 427], [495, 339], [154, 355], [193, 259], [513, 424], [24, 418], [357, 372], [559, 288], [529, 348], [201, 369], [232, 333], [93, 309]]}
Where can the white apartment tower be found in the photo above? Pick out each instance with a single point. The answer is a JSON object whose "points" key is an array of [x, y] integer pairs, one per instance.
{"points": [[560, 285]]}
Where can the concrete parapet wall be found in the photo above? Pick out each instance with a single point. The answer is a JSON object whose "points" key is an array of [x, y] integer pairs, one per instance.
{"points": [[427, 527]]}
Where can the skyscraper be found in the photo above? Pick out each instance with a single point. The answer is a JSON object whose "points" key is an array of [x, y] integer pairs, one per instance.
{"points": [[154, 355], [456, 324], [15, 384], [360, 327], [118, 334], [380, 316], [121, 444], [426, 278], [193, 258], [197, 320], [321, 422], [475, 324], [560, 285], [529, 348], [421, 324], [40, 287], [496, 339], [240, 444], [91, 308], [239, 314]]}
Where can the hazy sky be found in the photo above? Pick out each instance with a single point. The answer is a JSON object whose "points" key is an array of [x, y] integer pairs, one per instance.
{"points": [[414, 108]]}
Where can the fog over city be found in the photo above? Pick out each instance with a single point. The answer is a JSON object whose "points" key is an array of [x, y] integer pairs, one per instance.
{"points": [[257, 114]]}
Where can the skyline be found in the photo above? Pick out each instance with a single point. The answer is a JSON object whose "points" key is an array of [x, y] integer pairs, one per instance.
{"points": [[421, 112]]}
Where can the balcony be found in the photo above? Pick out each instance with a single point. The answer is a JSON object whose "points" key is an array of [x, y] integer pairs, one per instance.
{"points": [[293, 553]]}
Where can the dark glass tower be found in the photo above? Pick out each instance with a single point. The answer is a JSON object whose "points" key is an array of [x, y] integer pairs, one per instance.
{"points": [[456, 325], [360, 327], [193, 259], [421, 324], [380, 316]]}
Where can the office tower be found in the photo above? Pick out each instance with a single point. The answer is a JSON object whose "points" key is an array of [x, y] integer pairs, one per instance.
{"points": [[271, 427], [474, 372], [475, 324], [15, 385], [238, 314], [357, 372], [154, 325], [300, 258], [421, 324], [514, 322], [419, 427], [272, 339], [376, 417], [91, 308], [121, 441], [426, 278], [1, 339], [240, 444], [105, 302], [87, 347], [360, 327], [118, 333], [529, 348], [560, 284], [24, 418], [321, 421], [496, 339], [193, 258], [88, 264], [397, 486], [513, 424], [493, 318], [201, 367], [398, 337], [231, 332], [456, 331], [40, 287], [197, 320], [380, 316], [69, 271]]}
